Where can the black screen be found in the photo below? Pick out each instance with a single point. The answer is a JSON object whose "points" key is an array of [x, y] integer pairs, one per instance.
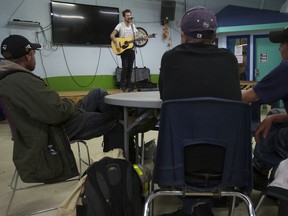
{"points": [[82, 24]]}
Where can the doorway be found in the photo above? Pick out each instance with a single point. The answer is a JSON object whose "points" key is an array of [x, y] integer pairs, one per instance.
{"points": [[266, 56]]}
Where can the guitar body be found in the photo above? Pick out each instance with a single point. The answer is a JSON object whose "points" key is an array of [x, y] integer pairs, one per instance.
{"points": [[124, 44]]}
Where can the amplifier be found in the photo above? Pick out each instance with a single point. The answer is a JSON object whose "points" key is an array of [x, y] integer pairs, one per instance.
{"points": [[143, 80], [142, 74]]}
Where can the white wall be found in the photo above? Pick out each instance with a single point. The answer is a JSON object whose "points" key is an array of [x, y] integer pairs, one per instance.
{"points": [[90, 60], [84, 60]]}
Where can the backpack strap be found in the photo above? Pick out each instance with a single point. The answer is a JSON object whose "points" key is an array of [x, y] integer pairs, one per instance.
{"points": [[104, 187]]}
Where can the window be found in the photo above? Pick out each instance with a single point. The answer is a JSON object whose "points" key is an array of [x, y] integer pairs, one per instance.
{"points": [[239, 45]]}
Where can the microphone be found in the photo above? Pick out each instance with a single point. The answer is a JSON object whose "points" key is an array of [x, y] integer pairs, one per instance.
{"points": [[131, 18]]}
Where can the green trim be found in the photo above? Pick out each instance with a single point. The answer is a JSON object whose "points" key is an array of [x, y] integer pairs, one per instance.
{"points": [[80, 83], [154, 78], [259, 27]]}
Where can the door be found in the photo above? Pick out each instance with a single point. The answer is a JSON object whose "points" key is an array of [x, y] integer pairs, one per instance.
{"points": [[266, 56]]}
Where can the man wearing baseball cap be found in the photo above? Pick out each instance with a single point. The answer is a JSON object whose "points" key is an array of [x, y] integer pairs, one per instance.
{"points": [[36, 109], [272, 134], [198, 68], [16, 46]]}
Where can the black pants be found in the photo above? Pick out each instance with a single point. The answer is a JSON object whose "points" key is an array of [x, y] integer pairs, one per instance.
{"points": [[127, 57], [283, 207]]}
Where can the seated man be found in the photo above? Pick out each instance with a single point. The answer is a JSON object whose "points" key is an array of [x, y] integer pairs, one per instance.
{"points": [[194, 69], [271, 135], [35, 107]]}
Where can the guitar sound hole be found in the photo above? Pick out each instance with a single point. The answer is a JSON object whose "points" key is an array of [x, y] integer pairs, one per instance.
{"points": [[125, 45]]}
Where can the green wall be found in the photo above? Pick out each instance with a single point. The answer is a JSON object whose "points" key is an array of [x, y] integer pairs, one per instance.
{"points": [[75, 83]]}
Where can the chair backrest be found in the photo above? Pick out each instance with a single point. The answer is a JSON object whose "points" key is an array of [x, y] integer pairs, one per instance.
{"points": [[255, 115], [204, 138]]}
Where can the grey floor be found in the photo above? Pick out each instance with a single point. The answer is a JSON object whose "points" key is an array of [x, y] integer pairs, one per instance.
{"points": [[52, 195]]}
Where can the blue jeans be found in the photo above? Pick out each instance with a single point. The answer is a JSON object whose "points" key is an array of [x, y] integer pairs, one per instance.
{"points": [[273, 149], [190, 203], [95, 118]]}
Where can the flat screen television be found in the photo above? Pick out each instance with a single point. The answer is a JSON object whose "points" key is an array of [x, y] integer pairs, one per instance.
{"points": [[81, 24]]}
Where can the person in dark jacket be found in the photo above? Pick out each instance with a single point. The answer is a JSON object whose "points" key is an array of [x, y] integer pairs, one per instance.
{"points": [[35, 107], [198, 68]]}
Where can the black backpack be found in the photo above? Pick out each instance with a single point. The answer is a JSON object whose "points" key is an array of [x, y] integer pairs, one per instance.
{"points": [[112, 188]]}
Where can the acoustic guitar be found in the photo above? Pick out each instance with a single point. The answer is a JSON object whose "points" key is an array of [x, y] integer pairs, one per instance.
{"points": [[126, 43]]}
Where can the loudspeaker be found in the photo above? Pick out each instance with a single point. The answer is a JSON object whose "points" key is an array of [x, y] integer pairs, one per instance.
{"points": [[167, 10]]}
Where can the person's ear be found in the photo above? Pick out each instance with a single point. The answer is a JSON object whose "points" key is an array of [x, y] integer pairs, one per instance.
{"points": [[183, 37], [29, 55]]}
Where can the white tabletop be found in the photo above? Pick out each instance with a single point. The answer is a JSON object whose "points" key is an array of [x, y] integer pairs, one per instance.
{"points": [[147, 99]]}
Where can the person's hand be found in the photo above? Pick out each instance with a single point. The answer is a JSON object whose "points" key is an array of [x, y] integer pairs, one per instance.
{"points": [[263, 129], [118, 48]]}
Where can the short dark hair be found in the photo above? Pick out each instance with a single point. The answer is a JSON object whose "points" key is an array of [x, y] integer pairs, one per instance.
{"points": [[126, 11], [209, 34], [208, 37]]}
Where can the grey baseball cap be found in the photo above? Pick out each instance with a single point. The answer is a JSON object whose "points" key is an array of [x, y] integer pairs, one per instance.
{"points": [[198, 19]]}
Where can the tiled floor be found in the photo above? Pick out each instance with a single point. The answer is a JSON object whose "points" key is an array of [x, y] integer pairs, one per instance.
{"points": [[52, 195]]}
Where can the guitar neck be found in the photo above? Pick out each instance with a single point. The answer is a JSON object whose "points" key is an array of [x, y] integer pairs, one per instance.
{"points": [[141, 38], [137, 39]]}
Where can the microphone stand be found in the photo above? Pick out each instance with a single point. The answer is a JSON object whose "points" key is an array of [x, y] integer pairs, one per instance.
{"points": [[135, 51]]}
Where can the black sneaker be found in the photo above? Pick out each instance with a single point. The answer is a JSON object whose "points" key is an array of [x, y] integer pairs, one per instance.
{"points": [[202, 210], [123, 88], [130, 89], [260, 180]]}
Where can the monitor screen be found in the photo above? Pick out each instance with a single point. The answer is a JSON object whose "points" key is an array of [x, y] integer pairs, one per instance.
{"points": [[82, 24]]}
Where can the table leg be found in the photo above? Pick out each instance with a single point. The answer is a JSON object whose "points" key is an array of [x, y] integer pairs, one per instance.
{"points": [[128, 127], [126, 134]]}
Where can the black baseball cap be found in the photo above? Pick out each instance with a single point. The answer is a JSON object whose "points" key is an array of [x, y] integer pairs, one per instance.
{"points": [[280, 36], [16, 46]]}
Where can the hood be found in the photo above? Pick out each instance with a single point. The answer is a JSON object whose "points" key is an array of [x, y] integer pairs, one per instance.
{"points": [[8, 67]]}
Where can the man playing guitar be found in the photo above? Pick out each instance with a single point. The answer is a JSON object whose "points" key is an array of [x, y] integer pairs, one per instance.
{"points": [[125, 29]]}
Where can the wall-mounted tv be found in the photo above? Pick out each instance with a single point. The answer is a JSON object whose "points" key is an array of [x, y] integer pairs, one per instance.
{"points": [[82, 24]]}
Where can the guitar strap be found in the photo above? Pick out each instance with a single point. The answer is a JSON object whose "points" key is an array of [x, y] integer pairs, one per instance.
{"points": [[134, 47]]}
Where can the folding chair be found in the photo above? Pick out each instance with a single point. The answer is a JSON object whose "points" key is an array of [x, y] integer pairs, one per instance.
{"points": [[204, 149], [277, 190], [15, 178]]}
